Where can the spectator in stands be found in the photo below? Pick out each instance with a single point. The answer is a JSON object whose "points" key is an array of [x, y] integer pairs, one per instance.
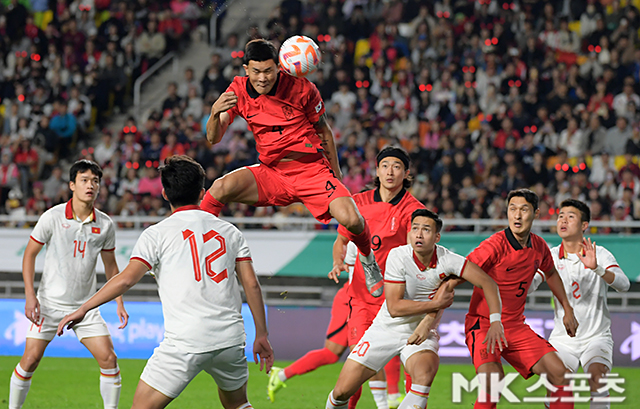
{"points": [[618, 136], [151, 44], [64, 124]]}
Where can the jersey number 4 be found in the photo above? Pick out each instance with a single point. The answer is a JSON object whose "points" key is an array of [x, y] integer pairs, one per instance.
{"points": [[208, 261]]}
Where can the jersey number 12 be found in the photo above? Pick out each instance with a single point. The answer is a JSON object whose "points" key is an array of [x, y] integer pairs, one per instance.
{"points": [[208, 261]]}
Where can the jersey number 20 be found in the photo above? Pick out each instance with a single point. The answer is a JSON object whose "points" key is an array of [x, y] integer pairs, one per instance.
{"points": [[208, 261]]}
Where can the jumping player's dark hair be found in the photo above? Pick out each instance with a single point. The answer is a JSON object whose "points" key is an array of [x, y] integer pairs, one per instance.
{"points": [[82, 166], [431, 215], [260, 50], [182, 179], [585, 212], [402, 156], [528, 195]]}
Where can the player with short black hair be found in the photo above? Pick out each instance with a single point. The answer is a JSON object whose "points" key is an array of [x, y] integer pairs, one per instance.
{"points": [[298, 157], [75, 234], [198, 261]]}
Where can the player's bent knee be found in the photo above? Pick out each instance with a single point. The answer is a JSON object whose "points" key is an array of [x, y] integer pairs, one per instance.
{"points": [[30, 362], [109, 361]]}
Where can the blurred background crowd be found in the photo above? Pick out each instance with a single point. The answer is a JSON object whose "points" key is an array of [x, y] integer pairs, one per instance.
{"points": [[486, 95]]}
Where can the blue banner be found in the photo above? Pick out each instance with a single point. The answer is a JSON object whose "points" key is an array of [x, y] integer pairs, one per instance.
{"points": [[137, 340]]}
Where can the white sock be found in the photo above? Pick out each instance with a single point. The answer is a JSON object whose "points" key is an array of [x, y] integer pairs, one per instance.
{"points": [[336, 404], [245, 406], [282, 376], [416, 398], [379, 392], [110, 384], [599, 405], [19, 387], [394, 396]]}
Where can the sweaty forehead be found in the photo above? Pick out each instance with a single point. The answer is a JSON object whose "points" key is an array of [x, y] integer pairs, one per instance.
{"points": [[422, 221], [261, 65], [519, 201]]}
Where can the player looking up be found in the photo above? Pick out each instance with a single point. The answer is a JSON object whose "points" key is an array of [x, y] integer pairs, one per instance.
{"points": [[298, 158], [387, 209], [198, 261], [75, 234], [413, 277], [586, 271]]}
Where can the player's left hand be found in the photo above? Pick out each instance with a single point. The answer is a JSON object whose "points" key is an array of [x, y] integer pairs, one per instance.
{"points": [[495, 337], [422, 330], [570, 322], [123, 315], [71, 319], [262, 349], [588, 254]]}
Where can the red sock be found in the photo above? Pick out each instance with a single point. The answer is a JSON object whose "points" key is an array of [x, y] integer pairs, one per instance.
{"points": [[211, 204], [353, 401], [407, 382], [562, 392], [392, 372], [362, 240], [310, 361]]}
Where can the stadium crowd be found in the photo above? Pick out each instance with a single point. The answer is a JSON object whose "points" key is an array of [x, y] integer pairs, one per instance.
{"points": [[486, 95]]}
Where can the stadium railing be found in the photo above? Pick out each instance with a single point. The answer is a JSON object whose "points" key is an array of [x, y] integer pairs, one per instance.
{"points": [[137, 86]]}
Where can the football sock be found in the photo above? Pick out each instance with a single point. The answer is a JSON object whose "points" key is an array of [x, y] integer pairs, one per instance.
{"points": [[599, 405], [211, 204], [562, 392], [353, 401], [310, 361], [379, 392], [392, 373], [336, 404], [245, 406], [110, 384], [362, 240], [416, 398], [19, 387], [407, 382]]}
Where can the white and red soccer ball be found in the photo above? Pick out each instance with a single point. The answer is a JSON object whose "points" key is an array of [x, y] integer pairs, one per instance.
{"points": [[299, 56]]}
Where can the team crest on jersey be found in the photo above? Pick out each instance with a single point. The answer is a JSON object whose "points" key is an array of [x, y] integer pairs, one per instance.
{"points": [[318, 107], [65, 225], [394, 224], [288, 112], [536, 264], [421, 277]]}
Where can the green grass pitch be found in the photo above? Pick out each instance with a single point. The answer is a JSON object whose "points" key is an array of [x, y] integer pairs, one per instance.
{"points": [[73, 383]]}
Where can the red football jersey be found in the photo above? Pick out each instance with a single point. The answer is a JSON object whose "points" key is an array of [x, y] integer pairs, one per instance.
{"points": [[389, 224], [282, 120], [512, 267]]}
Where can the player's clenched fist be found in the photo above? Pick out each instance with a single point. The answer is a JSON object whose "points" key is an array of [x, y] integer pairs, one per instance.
{"points": [[225, 102]]}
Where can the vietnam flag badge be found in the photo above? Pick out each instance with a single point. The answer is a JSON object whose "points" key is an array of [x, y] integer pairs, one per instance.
{"points": [[95, 230]]}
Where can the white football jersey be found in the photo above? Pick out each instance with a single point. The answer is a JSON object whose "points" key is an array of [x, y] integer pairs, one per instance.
{"points": [[421, 282], [73, 247], [587, 293], [193, 255]]}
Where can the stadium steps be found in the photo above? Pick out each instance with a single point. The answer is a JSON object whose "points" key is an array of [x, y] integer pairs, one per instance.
{"points": [[319, 292]]}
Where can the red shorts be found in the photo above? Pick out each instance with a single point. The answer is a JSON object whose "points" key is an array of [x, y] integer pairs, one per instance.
{"points": [[309, 180], [337, 330], [524, 351], [361, 316]]}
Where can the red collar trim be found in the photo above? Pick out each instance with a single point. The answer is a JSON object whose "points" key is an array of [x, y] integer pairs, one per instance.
{"points": [[187, 207], [68, 211], [562, 253], [432, 264]]}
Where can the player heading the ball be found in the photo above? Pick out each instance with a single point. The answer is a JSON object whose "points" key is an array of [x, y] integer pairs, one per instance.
{"points": [[298, 158]]}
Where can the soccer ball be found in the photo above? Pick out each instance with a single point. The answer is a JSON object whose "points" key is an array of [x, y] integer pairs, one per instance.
{"points": [[299, 56]]}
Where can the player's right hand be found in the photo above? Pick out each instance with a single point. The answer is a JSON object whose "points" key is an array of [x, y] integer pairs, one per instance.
{"points": [[495, 337], [421, 332], [225, 102], [71, 320], [570, 323], [263, 353], [32, 309], [336, 270], [444, 296]]}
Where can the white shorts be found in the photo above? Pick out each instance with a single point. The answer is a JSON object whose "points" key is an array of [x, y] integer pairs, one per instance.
{"points": [[381, 343], [169, 370], [575, 353], [92, 325]]}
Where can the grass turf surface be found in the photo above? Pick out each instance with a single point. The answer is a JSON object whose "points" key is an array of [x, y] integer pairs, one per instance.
{"points": [[73, 383]]}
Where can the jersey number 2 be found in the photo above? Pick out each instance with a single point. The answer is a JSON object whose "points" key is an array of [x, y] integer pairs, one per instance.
{"points": [[208, 261]]}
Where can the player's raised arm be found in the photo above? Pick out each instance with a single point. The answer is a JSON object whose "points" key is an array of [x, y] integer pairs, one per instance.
{"points": [[612, 274], [557, 288], [32, 306], [339, 252], [219, 120], [110, 271], [328, 144], [261, 346], [112, 289]]}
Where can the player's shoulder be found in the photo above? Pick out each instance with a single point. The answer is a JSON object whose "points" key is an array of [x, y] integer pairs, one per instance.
{"points": [[602, 251], [409, 200], [555, 251], [364, 198], [538, 241], [238, 84], [102, 217], [401, 252]]}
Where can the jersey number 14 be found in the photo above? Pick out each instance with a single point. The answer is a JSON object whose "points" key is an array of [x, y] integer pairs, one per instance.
{"points": [[208, 261]]}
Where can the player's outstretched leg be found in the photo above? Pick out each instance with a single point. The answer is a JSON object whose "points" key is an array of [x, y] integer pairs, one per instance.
{"points": [[22, 373], [551, 365], [346, 213], [351, 378], [423, 367], [237, 186], [101, 348]]}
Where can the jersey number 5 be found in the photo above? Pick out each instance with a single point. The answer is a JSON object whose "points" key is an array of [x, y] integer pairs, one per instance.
{"points": [[208, 261]]}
